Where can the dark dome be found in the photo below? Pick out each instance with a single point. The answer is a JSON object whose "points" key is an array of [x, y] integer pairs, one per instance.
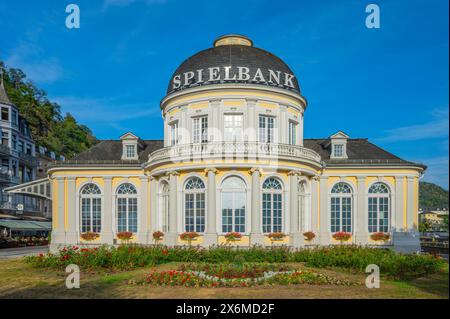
{"points": [[233, 55]]}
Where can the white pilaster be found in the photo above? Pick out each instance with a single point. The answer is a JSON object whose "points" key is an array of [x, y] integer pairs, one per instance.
{"points": [[256, 236], [210, 237]]}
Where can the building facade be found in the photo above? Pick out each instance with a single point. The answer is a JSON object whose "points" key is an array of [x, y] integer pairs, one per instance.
{"points": [[233, 159], [18, 160]]}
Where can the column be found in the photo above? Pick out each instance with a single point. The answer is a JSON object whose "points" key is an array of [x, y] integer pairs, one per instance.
{"points": [[256, 236], [360, 214], [410, 204], [214, 130], [210, 237], [58, 232], [314, 222], [154, 218], [72, 232], [399, 208], [143, 229], [296, 238], [171, 236], [251, 121], [324, 227], [107, 234]]}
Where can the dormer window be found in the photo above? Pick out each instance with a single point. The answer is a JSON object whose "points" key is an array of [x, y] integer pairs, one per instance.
{"points": [[129, 146], [338, 145]]}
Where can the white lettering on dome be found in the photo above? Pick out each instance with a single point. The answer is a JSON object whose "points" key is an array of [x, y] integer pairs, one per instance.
{"points": [[229, 74]]}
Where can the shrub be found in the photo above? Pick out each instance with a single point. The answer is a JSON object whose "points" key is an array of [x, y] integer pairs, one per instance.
{"points": [[342, 236], [380, 236], [88, 236], [309, 235]]}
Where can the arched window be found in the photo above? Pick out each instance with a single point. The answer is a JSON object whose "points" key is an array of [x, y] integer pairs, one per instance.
{"points": [[164, 205], [127, 208], [272, 205], [91, 208], [233, 205], [341, 208], [194, 205], [379, 208]]}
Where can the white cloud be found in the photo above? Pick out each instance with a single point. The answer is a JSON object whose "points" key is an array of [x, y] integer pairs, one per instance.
{"points": [[31, 58], [105, 109], [436, 128]]}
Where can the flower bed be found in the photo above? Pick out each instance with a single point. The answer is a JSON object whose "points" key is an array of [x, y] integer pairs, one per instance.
{"points": [[351, 257], [247, 278], [229, 271]]}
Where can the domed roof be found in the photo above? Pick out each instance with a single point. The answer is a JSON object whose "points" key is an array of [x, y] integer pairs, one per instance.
{"points": [[233, 59]]}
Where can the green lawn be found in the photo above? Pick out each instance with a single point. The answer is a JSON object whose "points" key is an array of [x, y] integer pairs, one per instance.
{"points": [[20, 280]]}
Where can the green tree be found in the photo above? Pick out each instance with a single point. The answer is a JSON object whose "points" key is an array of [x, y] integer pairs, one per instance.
{"points": [[49, 128]]}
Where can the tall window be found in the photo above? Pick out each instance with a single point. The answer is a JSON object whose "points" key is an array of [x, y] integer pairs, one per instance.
{"points": [[233, 205], [127, 208], [266, 129], [292, 138], [233, 127], [341, 208], [272, 205], [200, 129], [174, 133], [91, 208], [194, 205], [164, 205], [379, 208]]}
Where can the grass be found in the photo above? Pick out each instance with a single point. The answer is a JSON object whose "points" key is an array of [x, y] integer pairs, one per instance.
{"points": [[20, 280]]}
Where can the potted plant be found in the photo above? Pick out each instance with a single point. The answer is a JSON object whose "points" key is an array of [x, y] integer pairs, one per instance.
{"points": [[309, 236], [89, 236], [276, 236], [233, 236], [158, 236], [125, 236], [380, 236], [342, 236], [189, 237]]}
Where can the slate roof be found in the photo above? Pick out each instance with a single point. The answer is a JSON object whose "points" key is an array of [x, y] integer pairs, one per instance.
{"points": [[111, 150], [359, 150], [233, 56], [4, 99]]}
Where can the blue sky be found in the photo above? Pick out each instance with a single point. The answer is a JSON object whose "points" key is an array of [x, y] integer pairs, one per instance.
{"points": [[389, 84]]}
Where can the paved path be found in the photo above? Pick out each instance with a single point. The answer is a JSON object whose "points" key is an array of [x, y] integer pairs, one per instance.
{"points": [[22, 251]]}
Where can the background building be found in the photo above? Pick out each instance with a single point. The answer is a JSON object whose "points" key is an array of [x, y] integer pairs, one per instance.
{"points": [[19, 163]]}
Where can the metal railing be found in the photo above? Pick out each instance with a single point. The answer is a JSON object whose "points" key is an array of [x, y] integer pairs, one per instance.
{"points": [[233, 149]]}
